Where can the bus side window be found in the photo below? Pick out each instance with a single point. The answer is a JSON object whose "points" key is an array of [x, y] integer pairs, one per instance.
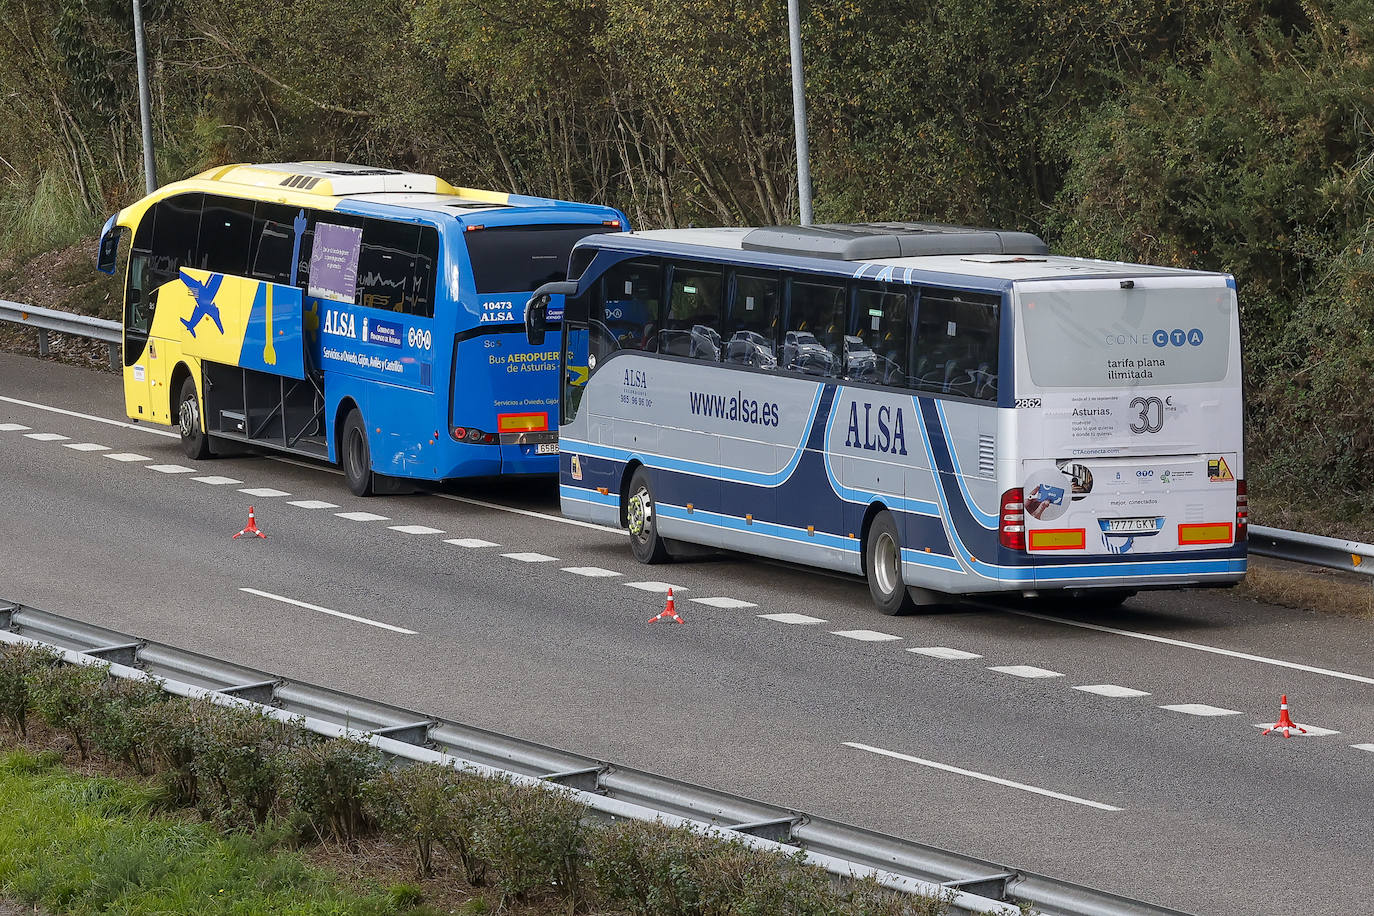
{"points": [[876, 347], [274, 236], [175, 231], [138, 301], [956, 343], [813, 341], [226, 229], [625, 313], [420, 298], [386, 264], [694, 310], [751, 320]]}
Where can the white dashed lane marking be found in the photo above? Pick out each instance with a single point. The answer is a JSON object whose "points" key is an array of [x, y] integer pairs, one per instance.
{"points": [[1312, 731], [954, 655], [265, 492], [313, 504], [865, 635], [727, 603], [171, 469], [799, 619], [12, 427], [86, 447], [1025, 671], [362, 517], [471, 543], [661, 587], [592, 572], [1201, 709], [216, 481], [325, 610], [416, 529], [127, 456], [47, 437], [530, 557], [1112, 690], [1363, 747]]}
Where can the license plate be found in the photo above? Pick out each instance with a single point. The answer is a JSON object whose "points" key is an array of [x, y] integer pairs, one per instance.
{"points": [[546, 448], [1132, 524]]}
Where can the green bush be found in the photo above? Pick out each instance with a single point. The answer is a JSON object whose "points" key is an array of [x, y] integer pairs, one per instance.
{"points": [[19, 665], [237, 762], [169, 737], [70, 698], [115, 724], [433, 806], [325, 782], [531, 835]]}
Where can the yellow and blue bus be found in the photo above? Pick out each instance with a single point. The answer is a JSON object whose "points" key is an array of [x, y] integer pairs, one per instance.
{"points": [[364, 316]]}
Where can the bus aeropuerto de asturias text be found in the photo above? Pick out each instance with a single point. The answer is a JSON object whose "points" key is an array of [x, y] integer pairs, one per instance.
{"points": [[947, 411], [364, 316]]}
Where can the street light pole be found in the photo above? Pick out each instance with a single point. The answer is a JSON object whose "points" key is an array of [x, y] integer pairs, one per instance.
{"points": [[798, 113], [145, 111]]}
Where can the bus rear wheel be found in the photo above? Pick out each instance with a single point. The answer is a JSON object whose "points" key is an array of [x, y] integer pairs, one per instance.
{"points": [[194, 442], [640, 519], [883, 566], [354, 454]]}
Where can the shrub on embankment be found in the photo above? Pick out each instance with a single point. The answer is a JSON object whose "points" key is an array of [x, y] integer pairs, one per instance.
{"points": [[251, 776]]}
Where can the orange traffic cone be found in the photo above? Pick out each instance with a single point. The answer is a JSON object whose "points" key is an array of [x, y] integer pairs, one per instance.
{"points": [[252, 527], [1285, 723], [669, 610]]}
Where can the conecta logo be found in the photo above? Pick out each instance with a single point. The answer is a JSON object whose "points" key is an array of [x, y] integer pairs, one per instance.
{"points": [[1178, 337]]}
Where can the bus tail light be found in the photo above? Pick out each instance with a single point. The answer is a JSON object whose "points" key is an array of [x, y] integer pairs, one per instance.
{"points": [[1242, 511], [473, 435], [1012, 530]]}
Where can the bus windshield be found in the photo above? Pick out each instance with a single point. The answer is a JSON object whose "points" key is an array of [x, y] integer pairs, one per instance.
{"points": [[1127, 338], [521, 258]]}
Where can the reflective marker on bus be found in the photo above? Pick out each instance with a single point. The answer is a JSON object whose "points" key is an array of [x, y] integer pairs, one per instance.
{"points": [[368, 317], [946, 411]]}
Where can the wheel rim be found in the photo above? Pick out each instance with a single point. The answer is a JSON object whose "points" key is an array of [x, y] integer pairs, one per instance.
{"points": [[190, 418], [640, 513], [885, 568]]}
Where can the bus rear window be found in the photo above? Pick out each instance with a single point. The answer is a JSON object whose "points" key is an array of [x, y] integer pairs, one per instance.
{"points": [[1127, 338], [515, 259]]}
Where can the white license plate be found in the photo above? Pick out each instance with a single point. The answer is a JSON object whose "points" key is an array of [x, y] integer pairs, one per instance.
{"points": [[1132, 524], [546, 448]]}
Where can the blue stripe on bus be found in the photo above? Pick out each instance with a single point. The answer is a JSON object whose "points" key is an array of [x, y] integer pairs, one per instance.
{"points": [[868, 497], [759, 527], [984, 518], [583, 495], [935, 560]]}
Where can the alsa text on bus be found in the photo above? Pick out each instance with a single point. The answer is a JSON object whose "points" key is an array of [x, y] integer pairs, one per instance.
{"points": [[734, 407], [882, 429]]}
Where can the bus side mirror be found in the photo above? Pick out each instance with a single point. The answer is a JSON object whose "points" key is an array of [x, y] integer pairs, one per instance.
{"points": [[536, 320], [109, 247]]}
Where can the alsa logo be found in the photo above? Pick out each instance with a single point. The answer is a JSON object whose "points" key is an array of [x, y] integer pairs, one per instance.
{"points": [[881, 430], [497, 311], [340, 324]]}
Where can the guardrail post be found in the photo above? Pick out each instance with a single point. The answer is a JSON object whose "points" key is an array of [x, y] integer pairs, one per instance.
{"points": [[42, 342]]}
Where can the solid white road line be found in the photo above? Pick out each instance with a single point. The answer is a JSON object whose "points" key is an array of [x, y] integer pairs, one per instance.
{"points": [[325, 610], [799, 619], [1201, 709], [1311, 731], [531, 513], [46, 437], [1112, 690], [266, 492], [313, 504], [593, 572], [171, 469], [216, 481], [362, 516], [472, 543], [12, 427], [1231, 653], [953, 655], [165, 433], [865, 635], [983, 776], [127, 456], [415, 529], [725, 603], [530, 557], [86, 447], [1025, 671]]}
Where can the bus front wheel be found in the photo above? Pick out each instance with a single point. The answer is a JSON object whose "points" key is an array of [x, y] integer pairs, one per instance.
{"points": [[355, 456], [640, 518], [883, 565], [194, 442]]}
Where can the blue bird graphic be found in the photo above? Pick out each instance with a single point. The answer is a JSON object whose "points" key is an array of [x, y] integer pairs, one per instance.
{"points": [[204, 294]]}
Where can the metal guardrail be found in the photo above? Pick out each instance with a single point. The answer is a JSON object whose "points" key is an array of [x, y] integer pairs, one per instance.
{"points": [[610, 790], [46, 321], [1312, 549]]}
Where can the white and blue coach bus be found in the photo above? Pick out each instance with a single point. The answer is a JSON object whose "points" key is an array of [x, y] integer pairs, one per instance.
{"points": [[947, 411]]}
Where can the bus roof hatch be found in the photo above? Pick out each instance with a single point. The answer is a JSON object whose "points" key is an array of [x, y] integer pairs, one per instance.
{"points": [[877, 241]]}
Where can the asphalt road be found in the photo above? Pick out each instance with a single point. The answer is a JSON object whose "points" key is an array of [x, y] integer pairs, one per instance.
{"points": [[1106, 788]]}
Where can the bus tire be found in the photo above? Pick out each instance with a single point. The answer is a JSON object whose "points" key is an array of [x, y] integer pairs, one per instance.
{"points": [[194, 442], [883, 566], [645, 541], [354, 455]]}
